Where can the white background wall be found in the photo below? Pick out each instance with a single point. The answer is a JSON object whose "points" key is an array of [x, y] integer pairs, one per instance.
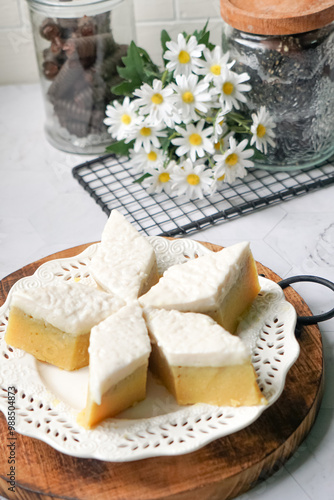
{"points": [[17, 56]]}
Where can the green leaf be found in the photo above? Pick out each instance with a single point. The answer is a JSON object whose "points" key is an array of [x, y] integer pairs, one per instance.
{"points": [[134, 67], [150, 68], [124, 88], [120, 148], [203, 36], [143, 177], [151, 75], [144, 54], [166, 77], [203, 30], [165, 143], [205, 40], [138, 69], [133, 72], [164, 38], [257, 155]]}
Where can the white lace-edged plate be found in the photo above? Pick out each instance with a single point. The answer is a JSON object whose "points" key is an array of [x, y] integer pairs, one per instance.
{"points": [[48, 399]]}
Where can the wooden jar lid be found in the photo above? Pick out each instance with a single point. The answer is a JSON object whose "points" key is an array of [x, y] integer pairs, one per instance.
{"points": [[277, 17]]}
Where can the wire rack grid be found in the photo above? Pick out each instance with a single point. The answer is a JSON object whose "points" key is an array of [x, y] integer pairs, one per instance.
{"points": [[110, 181]]}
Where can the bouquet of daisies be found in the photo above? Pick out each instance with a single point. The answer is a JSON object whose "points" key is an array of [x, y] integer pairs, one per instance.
{"points": [[182, 126]]}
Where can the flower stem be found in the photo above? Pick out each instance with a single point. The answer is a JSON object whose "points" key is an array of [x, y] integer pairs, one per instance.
{"points": [[209, 158], [242, 123], [174, 134]]}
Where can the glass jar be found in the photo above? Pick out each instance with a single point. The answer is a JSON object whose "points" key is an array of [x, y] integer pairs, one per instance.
{"points": [[292, 74], [79, 44]]}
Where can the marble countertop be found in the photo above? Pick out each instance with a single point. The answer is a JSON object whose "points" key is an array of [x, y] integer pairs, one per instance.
{"points": [[43, 210]]}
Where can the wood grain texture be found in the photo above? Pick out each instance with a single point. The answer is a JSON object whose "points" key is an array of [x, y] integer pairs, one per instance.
{"points": [[221, 470], [272, 17]]}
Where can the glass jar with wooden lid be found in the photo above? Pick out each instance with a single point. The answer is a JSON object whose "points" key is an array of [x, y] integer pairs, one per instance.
{"points": [[287, 48]]}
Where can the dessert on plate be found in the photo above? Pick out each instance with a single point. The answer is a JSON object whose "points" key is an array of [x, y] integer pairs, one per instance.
{"points": [[118, 358], [200, 362], [189, 316], [125, 262], [54, 322], [222, 284]]}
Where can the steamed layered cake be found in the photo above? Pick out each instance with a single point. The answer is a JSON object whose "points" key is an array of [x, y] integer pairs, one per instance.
{"points": [[186, 316], [125, 262], [222, 284], [200, 362], [54, 322], [118, 359]]}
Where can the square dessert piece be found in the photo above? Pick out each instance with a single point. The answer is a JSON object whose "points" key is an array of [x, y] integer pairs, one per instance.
{"points": [[118, 359], [125, 262], [222, 284], [53, 323], [200, 362]]}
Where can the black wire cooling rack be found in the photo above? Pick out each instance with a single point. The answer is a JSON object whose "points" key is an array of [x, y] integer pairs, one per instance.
{"points": [[110, 181]]}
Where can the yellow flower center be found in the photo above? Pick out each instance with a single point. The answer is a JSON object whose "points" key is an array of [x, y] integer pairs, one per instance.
{"points": [[157, 98], [221, 178], [152, 156], [195, 139], [145, 131], [164, 177], [188, 97], [184, 57], [261, 130], [231, 159], [193, 179], [126, 119], [217, 146], [228, 88], [215, 69]]}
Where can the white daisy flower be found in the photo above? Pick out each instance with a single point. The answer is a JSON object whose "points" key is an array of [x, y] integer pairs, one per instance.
{"points": [[183, 56], [191, 96], [218, 184], [214, 63], [146, 136], [223, 142], [219, 125], [192, 179], [194, 140], [160, 179], [121, 118], [146, 160], [234, 162], [262, 130], [156, 102], [230, 86]]}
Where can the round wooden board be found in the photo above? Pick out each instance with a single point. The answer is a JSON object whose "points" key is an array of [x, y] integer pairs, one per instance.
{"points": [[221, 470]]}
